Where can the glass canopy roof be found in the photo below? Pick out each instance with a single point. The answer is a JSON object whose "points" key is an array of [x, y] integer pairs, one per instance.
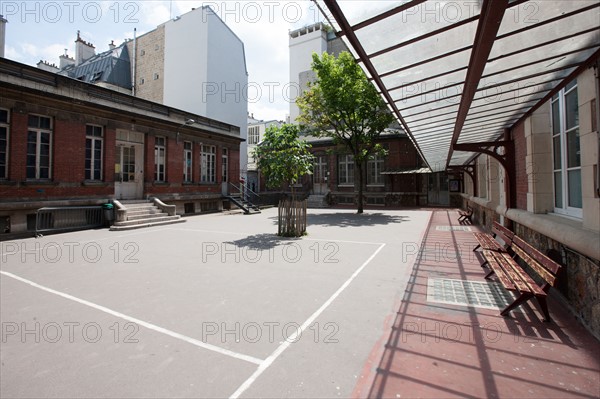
{"points": [[464, 72]]}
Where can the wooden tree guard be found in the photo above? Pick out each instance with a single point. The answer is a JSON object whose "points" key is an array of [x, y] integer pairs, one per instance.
{"points": [[292, 218]]}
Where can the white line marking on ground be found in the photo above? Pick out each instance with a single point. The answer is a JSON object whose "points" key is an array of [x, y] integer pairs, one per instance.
{"points": [[281, 348], [43, 244], [274, 236], [149, 326]]}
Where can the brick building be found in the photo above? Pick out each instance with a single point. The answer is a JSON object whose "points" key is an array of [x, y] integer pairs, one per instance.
{"points": [[66, 142], [396, 179]]}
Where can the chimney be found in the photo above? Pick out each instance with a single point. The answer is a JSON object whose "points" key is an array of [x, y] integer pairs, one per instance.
{"points": [[2, 34], [65, 60], [46, 66], [83, 50], [112, 45]]}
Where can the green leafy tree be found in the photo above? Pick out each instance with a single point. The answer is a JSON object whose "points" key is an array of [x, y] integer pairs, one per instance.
{"points": [[283, 159], [342, 104]]}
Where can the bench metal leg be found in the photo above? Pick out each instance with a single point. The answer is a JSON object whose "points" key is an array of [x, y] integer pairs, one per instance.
{"points": [[475, 249], [544, 306], [522, 298]]}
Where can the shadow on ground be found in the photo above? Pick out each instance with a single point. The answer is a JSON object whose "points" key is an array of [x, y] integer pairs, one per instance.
{"points": [[260, 242], [346, 219]]}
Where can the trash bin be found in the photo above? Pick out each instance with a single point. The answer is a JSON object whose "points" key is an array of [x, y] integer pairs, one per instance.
{"points": [[109, 213]]}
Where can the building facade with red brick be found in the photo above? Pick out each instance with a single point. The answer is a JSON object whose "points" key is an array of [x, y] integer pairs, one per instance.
{"points": [[65, 142]]}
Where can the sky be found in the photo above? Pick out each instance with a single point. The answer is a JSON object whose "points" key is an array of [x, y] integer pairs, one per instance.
{"points": [[42, 30]]}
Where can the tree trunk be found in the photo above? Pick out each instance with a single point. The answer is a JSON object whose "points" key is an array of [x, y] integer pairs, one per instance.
{"points": [[359, 172]]}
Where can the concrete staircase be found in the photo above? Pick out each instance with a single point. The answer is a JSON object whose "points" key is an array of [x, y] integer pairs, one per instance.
{"points": [[141, 214], [245, 205], [317, 201]]}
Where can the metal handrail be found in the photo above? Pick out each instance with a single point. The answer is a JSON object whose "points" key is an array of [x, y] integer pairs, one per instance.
{"points": [[244, 192], [55, 219]]}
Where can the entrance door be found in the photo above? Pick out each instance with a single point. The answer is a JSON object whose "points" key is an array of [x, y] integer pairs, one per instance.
{"points": [[437, 189], [128, 171], [320, 175]]}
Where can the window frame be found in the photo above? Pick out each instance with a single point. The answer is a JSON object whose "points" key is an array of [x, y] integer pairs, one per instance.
{"points": [[378, 163], [208, 160], [39, 131], [160, 176], [345, 163], [188, 162], [93, 139], [562, 133], [224, 165], [253, 135], [5, 125]]}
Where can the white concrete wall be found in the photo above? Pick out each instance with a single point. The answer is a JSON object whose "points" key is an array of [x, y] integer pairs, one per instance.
{"points": [[186, 68], [205, 70], [228, 76], [301, 50]]}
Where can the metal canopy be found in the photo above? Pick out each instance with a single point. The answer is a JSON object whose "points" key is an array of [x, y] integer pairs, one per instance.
{"points": [[464, 72]]}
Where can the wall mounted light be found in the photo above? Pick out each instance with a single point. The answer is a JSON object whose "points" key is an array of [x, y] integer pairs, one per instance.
{"points": [[187, 122]]}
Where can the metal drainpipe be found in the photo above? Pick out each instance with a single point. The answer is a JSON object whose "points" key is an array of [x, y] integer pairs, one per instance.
{"points": [[134, 63], [597, 76]]}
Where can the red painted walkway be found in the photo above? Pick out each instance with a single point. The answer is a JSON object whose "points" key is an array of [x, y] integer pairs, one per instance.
{"points": [[438, 350]]}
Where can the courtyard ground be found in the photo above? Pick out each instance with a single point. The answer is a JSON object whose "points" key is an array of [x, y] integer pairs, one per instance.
{"points": [[221, 307]]}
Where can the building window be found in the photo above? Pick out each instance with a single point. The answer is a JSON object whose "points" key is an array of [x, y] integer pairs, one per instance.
{"points": [[566, 151], [346, 169], [143, 52], [207, 174], [4, 124], [374, 169], [96, 76], [224, 166], [142, 81], [187, 161], [160, 155], [93, 152], [253, 134], [39, 147], [155, 76]]}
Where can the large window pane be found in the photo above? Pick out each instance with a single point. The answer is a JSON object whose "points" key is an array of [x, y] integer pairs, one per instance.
{"points": [[574, 177], [573, 149], [555, 117], [557, 153], [571, 109], [558, 195]]}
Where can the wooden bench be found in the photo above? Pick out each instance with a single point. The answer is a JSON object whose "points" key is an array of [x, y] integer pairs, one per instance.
{"points": [[512, 276], [488, 242], [465, 216]]}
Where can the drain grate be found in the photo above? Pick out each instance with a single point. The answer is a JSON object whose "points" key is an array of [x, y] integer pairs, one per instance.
{"points": [[453, 228], [477, 294]]}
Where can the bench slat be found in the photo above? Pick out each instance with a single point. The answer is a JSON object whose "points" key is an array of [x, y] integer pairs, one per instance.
{"points": [[542, 259], [539, 269], [508, 264], [490, 256], [487, 242], [499, 229], [524, 277]]}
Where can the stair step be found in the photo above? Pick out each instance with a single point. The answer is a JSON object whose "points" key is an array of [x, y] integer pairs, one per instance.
{"points": [[143, 221], [140, 206], [138, 212], [119, 227], [146, 216]]}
